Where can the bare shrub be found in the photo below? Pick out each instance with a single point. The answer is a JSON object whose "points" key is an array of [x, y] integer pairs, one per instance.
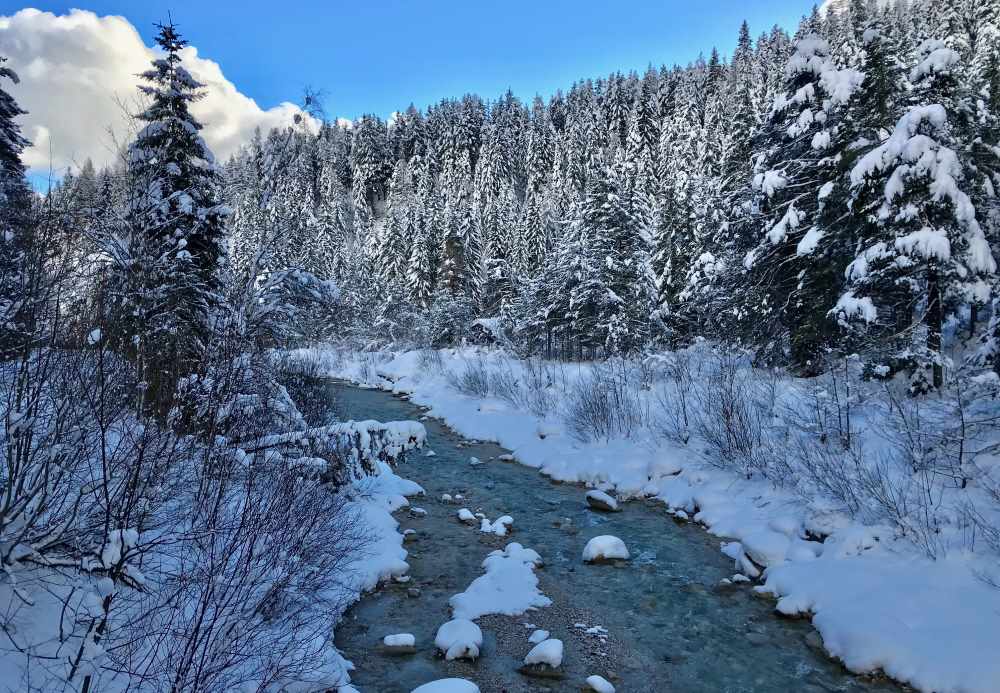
{"points": [[604, 404], [473, 378]]}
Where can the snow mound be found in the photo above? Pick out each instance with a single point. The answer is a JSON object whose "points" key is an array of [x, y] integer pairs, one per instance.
{"points": [[459, 639], [466, 516], [399, 640], [538, 636], [599, 684], [605, 548], [546, 652], [447, 686], [509, 587], [500, 527]]}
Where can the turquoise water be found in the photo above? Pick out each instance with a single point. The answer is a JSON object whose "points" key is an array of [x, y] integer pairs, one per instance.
{"points": [[670, 627]]}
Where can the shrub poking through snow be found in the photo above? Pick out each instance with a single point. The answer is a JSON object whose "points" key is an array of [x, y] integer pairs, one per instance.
{"points": [[605, 548], [459, 639]]}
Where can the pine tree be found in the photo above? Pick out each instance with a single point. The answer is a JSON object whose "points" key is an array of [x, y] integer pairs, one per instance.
{"points": [[930, 254], [15, 233], [174, 278], [794, 266]]}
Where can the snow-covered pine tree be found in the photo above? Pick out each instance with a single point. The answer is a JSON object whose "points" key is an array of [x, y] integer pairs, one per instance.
{"points": [[930, 255], [173, 280], [794, 268], [15, 236]]}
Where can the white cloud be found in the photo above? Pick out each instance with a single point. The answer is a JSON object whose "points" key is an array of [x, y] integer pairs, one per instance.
{"points": [[78, 69]]}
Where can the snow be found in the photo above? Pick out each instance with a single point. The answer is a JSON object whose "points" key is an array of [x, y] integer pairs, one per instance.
{"points": [[508, 587], [465, 515], [459, 639], [500, 527], [605, 547], [447, 686], [920, 621], [399, 640], [599, 684], [537, 636], [546, 652], [856, 307], [602, 498]]}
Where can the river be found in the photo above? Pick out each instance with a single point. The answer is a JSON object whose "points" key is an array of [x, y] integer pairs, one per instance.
{"points": [[670, 627]]}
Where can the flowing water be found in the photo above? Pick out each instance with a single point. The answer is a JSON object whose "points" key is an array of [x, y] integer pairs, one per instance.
{"points": [[669, 626]]}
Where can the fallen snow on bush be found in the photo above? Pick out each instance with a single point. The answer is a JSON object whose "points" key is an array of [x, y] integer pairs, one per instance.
{"points": [[509, 586]]}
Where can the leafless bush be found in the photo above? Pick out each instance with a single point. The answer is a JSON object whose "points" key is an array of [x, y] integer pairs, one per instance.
{"points": [[473, 378], [604, 404], [675, 399]]}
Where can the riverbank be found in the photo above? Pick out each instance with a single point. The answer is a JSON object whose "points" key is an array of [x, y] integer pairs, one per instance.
{"points": [[876, 601]]}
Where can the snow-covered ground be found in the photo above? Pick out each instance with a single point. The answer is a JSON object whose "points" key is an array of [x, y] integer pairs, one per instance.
{"points": [[873, 591]]}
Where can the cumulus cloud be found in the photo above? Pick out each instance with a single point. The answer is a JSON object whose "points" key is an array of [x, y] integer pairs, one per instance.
{"points": [[78, 71]]}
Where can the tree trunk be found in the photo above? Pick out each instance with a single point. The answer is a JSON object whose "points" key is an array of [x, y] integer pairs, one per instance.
{"points": [[934, 320]]}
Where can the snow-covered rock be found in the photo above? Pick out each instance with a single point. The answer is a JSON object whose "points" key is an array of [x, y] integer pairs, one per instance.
{"points": [[500, 527], [538, 636], [447, 686], [418, 512], [465, 515], [400, 643], [599, 684], [605, 548], [475, 461], [509, 587], [459, 639], [599, 500], [506, 457], [549, 652]]}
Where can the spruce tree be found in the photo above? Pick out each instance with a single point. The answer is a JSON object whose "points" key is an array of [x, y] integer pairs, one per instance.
{"points": [[15, 231], [930, 255], [173, 283]]}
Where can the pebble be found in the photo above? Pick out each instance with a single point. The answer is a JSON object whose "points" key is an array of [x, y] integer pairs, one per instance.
{"points": [[413, 593]]}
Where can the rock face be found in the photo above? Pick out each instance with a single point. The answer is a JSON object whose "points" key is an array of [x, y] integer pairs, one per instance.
{"points": [[605, 548], [399, 644], [599, 500]]}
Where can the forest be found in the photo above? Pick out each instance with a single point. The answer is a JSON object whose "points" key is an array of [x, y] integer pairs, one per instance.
{"points": [[781, 262]]}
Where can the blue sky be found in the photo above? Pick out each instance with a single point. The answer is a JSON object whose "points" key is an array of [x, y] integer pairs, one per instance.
{"points": [[380, 56]]}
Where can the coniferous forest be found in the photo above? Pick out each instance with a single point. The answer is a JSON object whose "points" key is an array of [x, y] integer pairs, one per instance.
{"points": [[780, 265]]}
